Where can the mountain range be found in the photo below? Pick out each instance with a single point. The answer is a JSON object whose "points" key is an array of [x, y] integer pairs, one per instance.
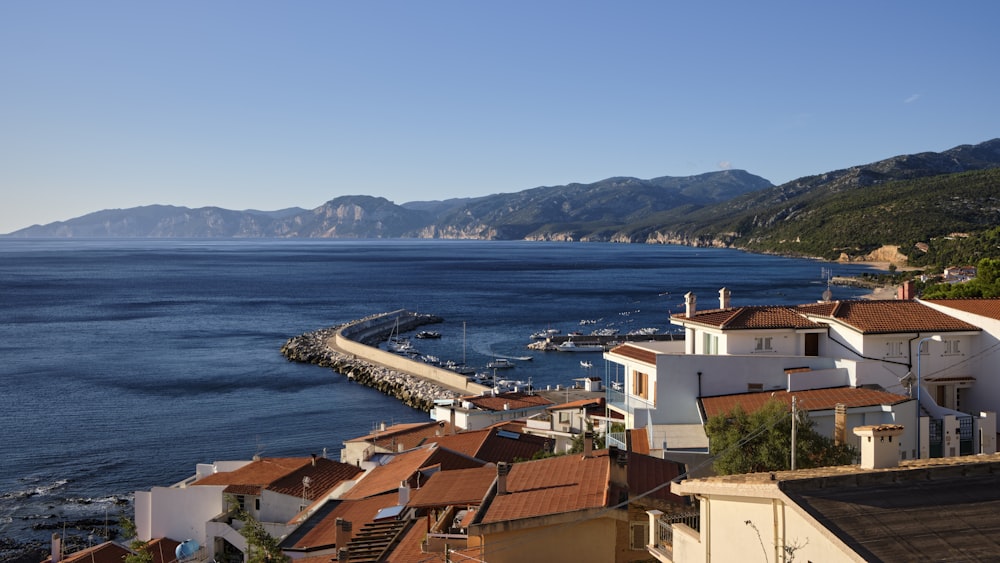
{"points": [[823, 215]]}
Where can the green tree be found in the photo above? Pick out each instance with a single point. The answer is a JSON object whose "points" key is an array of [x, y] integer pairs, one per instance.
{"points": [[140, 549], [576, 445], [262, 546], [761, 441]]}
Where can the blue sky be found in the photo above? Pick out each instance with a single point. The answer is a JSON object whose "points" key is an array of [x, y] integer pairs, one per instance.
{"points": [[267, 105]]}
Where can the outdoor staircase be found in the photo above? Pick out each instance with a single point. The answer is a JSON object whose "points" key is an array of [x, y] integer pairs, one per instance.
{"points": [[373, 541]]}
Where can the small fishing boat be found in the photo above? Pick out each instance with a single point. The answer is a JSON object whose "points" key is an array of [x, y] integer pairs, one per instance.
{"points": [[586, 364]]}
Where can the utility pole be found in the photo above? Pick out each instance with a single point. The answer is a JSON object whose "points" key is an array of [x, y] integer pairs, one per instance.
{"points": [[795, 419]]}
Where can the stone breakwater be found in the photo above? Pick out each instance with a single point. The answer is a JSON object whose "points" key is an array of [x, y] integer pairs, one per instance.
{"points": [[319, 348]]}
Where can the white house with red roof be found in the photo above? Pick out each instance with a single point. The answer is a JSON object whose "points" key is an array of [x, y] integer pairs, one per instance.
{"points": [[848, 345], [272, 490]]}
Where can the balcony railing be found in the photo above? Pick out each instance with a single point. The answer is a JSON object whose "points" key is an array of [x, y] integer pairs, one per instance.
{"points": [[618, 400], [661, 540]]}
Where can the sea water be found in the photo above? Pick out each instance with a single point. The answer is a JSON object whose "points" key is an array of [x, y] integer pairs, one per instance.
{"points": [[126, 362]]}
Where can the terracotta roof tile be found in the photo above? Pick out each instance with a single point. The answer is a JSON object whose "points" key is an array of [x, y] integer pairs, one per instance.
{"points": [[323, 534], [457, 487], [887, 316], [324, 476], [639, 354], [164, 550], [107, 552], [576, 405], [408, 435], [495, 444], [552, 486], [755, 317], [403, 467], [983, 307], [513, 401], [809, 400], [254, 476]]}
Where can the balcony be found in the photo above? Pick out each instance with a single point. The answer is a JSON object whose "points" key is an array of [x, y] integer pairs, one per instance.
{"points": [[618, 400], [661, 531]]}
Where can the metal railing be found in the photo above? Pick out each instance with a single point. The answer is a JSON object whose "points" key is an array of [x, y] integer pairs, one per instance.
{"points": [[666, 522]]}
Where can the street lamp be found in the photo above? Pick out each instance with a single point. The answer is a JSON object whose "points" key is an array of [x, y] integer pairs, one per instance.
{"points": [[935, 338]]}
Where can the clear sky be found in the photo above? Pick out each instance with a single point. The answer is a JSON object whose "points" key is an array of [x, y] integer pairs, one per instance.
{"points": [[266, 105]]}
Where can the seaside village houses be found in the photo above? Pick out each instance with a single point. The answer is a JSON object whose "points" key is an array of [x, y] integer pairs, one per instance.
{"points": [[912, 384]]}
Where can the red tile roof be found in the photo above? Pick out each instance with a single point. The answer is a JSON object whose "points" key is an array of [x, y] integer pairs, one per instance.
{"points": [[323, 476], [886, 316], [323, 534], [404, 467], [283, 475], [512, 401], [552, 486], [755, 317], [458, 487], [983, 307], [254, 476], [107, 552], [576, 405], [809, 400], [164, 550], [495, 444], [408, 435], [639, 354]]}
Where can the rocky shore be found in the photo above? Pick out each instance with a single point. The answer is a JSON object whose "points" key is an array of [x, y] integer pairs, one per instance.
{"points": [[317, 348]]}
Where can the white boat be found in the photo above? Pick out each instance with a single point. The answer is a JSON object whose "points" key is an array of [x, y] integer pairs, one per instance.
{"points": [[500, 363], [586, 364], [428, 334], [570, 346]]}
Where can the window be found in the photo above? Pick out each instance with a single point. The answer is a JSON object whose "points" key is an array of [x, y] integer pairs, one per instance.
{"points": [[241, 501], [894, 349], [951, 348], [763, 344], [565, 417], [640, 384], [638, 535], [710, 344]]}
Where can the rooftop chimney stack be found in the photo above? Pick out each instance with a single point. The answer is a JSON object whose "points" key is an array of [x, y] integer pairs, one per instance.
{"points": [[588, 443], [840, 424], [342, 530], [314, 460], [404, 493], [689, 304], [56, 548], [503, 468], [724, 295], [878, 449]]}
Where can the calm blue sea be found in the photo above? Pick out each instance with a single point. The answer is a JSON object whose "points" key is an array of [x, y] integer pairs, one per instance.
{"points": [[126, 362]]}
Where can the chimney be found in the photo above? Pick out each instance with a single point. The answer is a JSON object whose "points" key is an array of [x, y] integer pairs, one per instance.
{"points": [[840, 424], [314, 460], [878, 449], [452, 420], [689, 304], [404, 493], [588, 443], [907, 290], [342, 536], [381, 426], [503, 468], [724, 298], [618, 474], [56, 548]]}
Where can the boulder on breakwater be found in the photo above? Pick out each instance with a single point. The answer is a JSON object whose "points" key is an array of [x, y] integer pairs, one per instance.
{"points": [[315, 348]]}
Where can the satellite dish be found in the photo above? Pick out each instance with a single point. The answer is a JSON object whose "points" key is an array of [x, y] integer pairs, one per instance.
{"points": [[186, 549]]}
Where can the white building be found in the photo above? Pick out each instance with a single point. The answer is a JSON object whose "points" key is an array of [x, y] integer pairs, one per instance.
{"points": [[836, 344], [272, 490]]}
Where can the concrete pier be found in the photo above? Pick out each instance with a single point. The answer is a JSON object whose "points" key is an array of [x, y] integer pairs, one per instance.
{"points": [[351, 349]]}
